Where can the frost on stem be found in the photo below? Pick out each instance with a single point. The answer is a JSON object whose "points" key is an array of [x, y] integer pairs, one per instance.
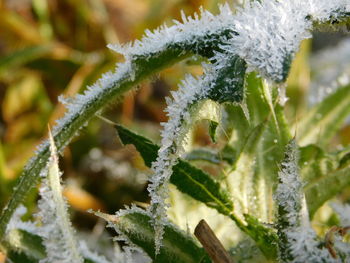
{"points": [[56, 230], [269, 32], [265, 34], [181, 111], [297, 240], [17, 223]]}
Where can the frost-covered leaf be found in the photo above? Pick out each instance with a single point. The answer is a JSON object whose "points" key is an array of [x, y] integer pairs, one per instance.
{"points": [[229, 83], [202, 187], [56, 231], [322, 121], [21, 242], [187, 178], [133, 225], [258, 132], [23, 246], [297, 240]]}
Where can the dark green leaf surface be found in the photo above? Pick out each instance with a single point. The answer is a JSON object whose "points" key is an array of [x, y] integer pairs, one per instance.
{"points": [[187, 178], [229, 84]]}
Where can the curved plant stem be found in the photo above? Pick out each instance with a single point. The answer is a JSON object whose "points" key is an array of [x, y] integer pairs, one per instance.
{"points": [[132, 73]]}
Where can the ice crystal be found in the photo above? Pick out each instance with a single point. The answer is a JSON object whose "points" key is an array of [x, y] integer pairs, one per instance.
{"points": [[288, 193], [17, 223], [56, 230], [88, 254], [180, 111], [298, 241], [304, 247], [129, 248]]}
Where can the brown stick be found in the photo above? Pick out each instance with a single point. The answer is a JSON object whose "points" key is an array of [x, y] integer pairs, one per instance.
{"points": [[211, 243]]}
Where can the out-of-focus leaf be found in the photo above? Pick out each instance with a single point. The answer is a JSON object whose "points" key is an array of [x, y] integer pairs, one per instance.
{"points": [[177, 246], [42, 11], [14, 23], [22, 56], [21, 96], [315, 163], [326, 187], [22, 244], [322, 121], [212, 130]]}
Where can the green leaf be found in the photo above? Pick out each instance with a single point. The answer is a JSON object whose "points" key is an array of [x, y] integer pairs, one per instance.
{"points": [[259, 157], [212, 130], [315, 163], [265, 237], [187, 178], [229, 84], [202, 187], [203, 155], [21, 244], [178, 247], [22, 56], [322, 121], [325, 188]]}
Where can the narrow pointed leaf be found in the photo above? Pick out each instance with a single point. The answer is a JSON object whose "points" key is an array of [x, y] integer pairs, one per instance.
{"points": [[178, 247]]}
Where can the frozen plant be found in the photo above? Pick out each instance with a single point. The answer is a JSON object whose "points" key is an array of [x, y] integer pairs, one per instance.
{"points": [[247, 55]]}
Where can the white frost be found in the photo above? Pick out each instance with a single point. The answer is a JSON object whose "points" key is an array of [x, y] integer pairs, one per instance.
{"points": [[56, 231], [302, 243]]}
